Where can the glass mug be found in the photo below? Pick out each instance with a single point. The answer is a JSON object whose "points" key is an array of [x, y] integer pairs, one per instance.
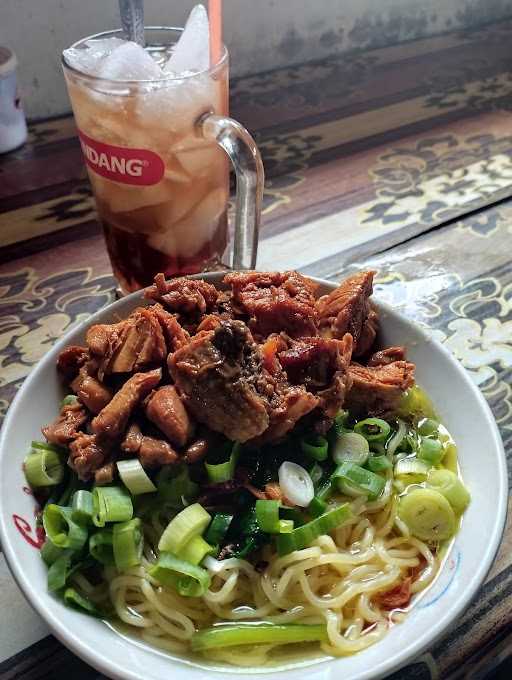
{"points": [[157, 157]]}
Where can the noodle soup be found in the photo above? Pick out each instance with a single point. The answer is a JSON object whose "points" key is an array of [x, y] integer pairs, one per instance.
{"points": [[267, 498]]}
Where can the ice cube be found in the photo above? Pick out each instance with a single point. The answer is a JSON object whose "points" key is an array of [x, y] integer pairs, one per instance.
{"points": [[192, 51], [129, 61], [88, 58]]}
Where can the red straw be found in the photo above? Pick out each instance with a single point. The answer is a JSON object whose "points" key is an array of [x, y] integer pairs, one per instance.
{"points": [[215, 16]]}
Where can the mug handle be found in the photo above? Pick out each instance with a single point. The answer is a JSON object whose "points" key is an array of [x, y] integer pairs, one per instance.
{"points": [[246, 160]]}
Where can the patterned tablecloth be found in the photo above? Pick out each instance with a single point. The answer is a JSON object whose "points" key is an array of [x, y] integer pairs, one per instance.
{"points": [[384, 160]]}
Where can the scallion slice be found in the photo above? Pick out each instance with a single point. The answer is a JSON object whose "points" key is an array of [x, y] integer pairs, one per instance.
{"points": [[218, 528], [190, 522], [68, 400], [188, 579], [373, 429], [58, 571], [340, 422], [223, 472], [82, 507], [176, 491], [128, 541], [43, 468], [427, 427], [111, 504], [267, 516], [232, 635], [351, 477], [394, 442], [450, 486], [316, 473], [60, 528], [315, 446], [431, 451], [50, 552], [379, 463], [352, 447], [134, 477], [101, 547], [303, 536], [411, 470], [76, 600], [196, 550], [296, 484], [317, 507]]}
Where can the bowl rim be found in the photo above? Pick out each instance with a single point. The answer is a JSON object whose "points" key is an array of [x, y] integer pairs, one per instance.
{"points": [[113, 669]]}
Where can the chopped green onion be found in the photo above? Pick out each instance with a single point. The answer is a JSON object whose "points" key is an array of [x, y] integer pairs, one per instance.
{"points": [[315, 446], [111, 504], [196, 550], [267, 516], [60, 528], [353, 478], [45, 446], [50, 552], [67, 493], [352, 447], [340, 421], [218, 528], [128, 541], [101, 547], [431, 451], [428, 514], [427, 427], [178, 491], [325, 489], [68, 400], [231, 635], [450, 486], [134, 477], [411, 470], [293, 514], [317, 507], [77, 601], [373, 429], [58, 571], [190, 522], [188, 579], [82, 507], [394, 442], [316, 473], [303, 536], [379, 463], [296, 484], [43, 468], [223, 472]]}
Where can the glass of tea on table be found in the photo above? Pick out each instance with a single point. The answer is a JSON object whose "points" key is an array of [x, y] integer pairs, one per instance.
{"points": [[156, 139]]}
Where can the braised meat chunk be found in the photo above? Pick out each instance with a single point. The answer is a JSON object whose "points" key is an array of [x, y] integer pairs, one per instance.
{"points": [[175, 335], [89, 390], [64, 428], [70, 361], [348, 310], [165, 409], [275, 302], [111, 422], [87, 454], [377, 390], [187, 297], [387, 356], [152, 451], [216, 374]]}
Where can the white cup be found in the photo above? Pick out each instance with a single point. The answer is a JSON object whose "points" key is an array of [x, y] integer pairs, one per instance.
{"points": [[13, 128]]}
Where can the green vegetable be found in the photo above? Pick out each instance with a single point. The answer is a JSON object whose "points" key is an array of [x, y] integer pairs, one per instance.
{"points": [[352, 447], [303, 536], [218, 528], [128, 541], [188, 579], [450, 486], [245, 534], [317, 507], [267, 515], [50, 552], [76, 600], [58, 571], [396, 440], [431, 451], [111, 504], [231, 635], [196, 550], [60, 528], [316, 473], [411, 471], [427, 427], [82, 507], [190, 522], [340, 422], [68, 400], [223, 472], [314, 446], [373, 429], [101, 547], [428, 514], [379, 463], [176, 492], [134, 477], [43, 468], [352, 478]]}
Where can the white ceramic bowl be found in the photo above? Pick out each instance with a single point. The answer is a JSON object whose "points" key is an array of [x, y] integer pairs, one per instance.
{"points": [[482, 459]]}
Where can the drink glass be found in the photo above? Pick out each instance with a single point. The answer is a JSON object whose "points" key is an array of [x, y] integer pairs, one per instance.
{"points": [[157, 156]]}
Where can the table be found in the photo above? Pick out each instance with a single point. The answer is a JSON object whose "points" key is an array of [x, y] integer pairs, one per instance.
{"points": [[399, 159]]}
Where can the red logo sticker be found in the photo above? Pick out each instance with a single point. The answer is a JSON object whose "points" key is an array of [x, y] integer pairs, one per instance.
{"points": [[120, 164]]}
